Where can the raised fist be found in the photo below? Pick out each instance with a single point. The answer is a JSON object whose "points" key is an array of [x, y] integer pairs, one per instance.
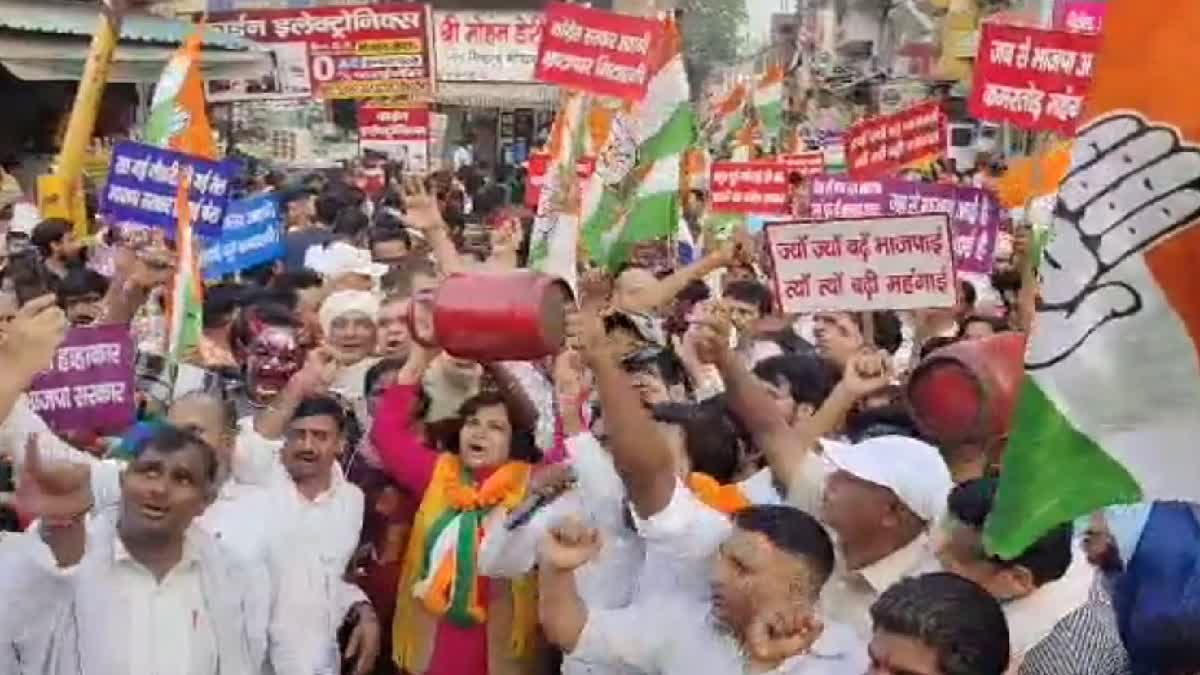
{"points": [[1131, 185], [569, 545]]}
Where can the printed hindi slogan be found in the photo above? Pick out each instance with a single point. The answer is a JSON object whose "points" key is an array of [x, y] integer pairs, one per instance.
{"points": [[811, 163], [595, 51], [1032, 78], [879, 146], [749, 187], [863, 265], [401, 132], [975, 216], [143, 184], [252, 235], [90, 383], [487, 46], [334, 52]]}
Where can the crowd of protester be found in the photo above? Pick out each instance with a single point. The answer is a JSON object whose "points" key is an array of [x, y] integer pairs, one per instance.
{"points": [[695, 484]]}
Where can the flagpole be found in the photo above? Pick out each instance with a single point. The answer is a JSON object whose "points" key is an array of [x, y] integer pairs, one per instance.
{"points": [[58, 196]]}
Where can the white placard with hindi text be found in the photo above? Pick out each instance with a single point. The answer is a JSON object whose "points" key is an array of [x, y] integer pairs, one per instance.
{"points": [[863, 265]]}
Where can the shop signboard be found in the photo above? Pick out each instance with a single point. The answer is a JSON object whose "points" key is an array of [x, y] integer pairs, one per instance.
{"points": [[340, 52], [1032, 78], [597, 52], [863, 265], [397, 131], [476, 46]]}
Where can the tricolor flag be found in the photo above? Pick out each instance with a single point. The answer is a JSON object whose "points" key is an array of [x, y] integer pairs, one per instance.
{"points": [[178, 120], [643, 202], [1110, 408], [768, 101], [729, 115]]}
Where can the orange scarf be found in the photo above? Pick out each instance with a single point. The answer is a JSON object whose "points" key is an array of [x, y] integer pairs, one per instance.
{"points": [[727, 499]]}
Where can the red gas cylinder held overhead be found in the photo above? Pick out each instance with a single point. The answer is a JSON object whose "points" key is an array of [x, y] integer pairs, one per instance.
{"points": [[494, 316], [966, 392]]}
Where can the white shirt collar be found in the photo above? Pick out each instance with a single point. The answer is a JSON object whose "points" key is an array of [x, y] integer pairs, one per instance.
{"points": [[898, 564]]}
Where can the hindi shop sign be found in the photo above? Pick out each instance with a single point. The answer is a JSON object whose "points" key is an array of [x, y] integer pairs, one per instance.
{"points": [[89, 386], [596, 52], [334, 52], [486, 46], [252, 235], [975, 216], [143, 184], [750, 187], [1035, 79], [399, 132], [863, 265], [882, 145]]}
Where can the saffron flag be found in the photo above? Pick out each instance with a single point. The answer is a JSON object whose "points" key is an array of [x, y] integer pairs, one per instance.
{"points": [[179, 120], [1108, 409]]}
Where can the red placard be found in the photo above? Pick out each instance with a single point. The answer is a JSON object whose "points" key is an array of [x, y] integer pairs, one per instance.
{"points": [[334, 52], [750, 187], [597, 52], [805, 163], [879, 146], [1035, 79], [538, 163]]}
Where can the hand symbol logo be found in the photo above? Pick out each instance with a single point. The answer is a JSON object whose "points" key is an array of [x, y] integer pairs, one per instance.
{"points": [[1131, 185]]}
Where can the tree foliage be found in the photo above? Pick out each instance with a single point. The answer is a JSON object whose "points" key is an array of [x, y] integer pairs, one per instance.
{"points": [[713, 35]]}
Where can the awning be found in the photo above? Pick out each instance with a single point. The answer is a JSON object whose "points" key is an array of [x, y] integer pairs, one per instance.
{"points": [[498, 94], [48, 57], [42, 40]]}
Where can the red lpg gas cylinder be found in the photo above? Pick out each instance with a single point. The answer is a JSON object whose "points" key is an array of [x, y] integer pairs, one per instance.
{"points": [[494, 316], [966, 392]]}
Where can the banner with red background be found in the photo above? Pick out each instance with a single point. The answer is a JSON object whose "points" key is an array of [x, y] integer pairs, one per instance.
{"points": [[597, 52], [1034, 79], [334, 52], [750, 187], [880, 146]]}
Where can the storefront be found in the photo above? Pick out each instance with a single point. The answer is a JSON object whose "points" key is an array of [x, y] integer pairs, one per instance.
{"points": [[43, 48], [485, 86]]}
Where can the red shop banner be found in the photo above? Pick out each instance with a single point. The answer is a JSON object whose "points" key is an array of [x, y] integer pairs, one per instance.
{"points": [[595, 51], [759, 188], [880, 146], [353, 52], [1032, 78], [399, 132], [805, 163]]}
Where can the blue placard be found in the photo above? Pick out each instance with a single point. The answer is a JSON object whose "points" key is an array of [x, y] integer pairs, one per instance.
{"points": [[143, 182], [252, 235]]}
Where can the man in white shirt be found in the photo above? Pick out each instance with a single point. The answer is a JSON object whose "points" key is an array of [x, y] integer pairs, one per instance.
{"points": [[879, 497], [183, 604], [762, 618]]}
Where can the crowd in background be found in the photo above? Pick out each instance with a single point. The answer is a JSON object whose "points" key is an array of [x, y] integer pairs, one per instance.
{"points": [[694, 484]]}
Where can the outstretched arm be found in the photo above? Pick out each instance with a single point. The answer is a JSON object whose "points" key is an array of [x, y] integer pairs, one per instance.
{"points": [[639, 451]]}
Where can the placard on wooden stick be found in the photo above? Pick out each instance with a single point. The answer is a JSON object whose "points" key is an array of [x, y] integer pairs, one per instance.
{"points": [[863, 265]]}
